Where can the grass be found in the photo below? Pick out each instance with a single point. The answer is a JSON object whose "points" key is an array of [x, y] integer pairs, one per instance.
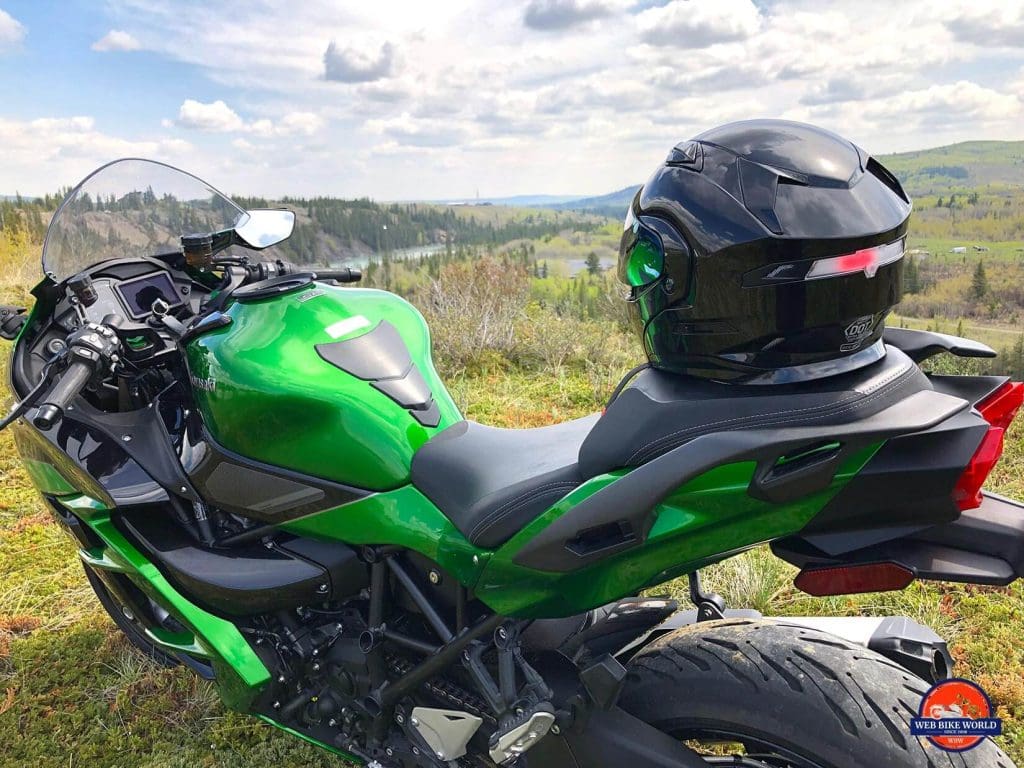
{"points": [[72, 692]]}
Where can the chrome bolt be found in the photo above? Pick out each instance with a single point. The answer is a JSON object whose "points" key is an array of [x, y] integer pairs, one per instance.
{"points": [[126, 438], [316, 667], [502, 633], [322, 589], [400, 719], [414, 721], [282, 679], [332, 723], [476, 560], [555, 730], [435, 577], [441, 755], [415, 750], [277, 705], [128, 613], [389, 751]]}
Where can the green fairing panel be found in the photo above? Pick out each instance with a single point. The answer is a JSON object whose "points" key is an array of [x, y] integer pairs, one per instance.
{"points": [[709, 519], [405, 518], [265, 392], [239, 671]]}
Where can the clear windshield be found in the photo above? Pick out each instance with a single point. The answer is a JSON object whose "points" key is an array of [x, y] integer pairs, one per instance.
{"points": [[132, 208]]}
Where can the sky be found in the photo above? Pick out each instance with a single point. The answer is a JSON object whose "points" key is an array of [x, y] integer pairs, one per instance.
{"points": [[449, 99]]}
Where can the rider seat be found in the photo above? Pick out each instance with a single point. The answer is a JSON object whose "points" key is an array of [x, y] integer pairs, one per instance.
{"points": [[492, 482]]}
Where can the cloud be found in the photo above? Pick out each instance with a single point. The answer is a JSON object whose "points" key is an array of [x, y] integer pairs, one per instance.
{"points": [[51, 151], [562, 14], [693, 25], [117, 40], [302, 123], [999, 24], [348, 65], [216, 117], [832, 91], [408, 131], [12, 31]]}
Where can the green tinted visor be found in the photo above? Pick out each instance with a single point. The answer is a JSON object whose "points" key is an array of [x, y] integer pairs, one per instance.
{"points": [[641, 253]]}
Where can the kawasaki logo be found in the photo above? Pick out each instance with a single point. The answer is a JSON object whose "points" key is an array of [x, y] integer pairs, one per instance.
{"points": [[207, 385]]}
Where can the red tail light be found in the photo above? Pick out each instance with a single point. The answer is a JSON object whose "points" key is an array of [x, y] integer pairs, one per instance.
{"points": [[967, 493], [853, 579], [998, 409]]}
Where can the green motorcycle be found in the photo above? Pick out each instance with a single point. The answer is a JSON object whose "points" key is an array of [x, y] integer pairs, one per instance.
{"points": [[267, 481]]}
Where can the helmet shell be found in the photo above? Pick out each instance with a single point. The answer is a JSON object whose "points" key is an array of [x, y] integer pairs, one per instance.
{"points": [[743, 213]]}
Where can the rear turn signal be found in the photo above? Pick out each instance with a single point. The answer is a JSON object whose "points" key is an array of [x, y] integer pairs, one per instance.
{"points": [[853, 579]]}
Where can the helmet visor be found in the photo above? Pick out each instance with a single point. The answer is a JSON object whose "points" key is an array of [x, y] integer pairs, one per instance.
{"points": [[642, 254]]}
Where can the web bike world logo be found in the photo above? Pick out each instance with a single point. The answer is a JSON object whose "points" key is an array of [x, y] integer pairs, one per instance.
{"points": [[956, 715]]}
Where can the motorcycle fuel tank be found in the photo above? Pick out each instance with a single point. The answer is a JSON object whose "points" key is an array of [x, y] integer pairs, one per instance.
{"points": [[335, 383]]}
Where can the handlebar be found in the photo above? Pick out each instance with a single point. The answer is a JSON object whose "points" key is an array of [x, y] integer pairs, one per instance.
{"points": [[70, 383], [92, 348], [342, 274]]}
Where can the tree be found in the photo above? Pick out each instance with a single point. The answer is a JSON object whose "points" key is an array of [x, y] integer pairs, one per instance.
{"points": [[911, 276], [594, 264], [979, 282]]}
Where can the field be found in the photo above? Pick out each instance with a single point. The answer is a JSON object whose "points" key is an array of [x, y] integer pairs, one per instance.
{"points": [[72, 692]]}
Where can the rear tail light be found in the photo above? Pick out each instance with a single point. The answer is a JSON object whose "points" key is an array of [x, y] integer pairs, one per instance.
{"points": [[853, 579], [868, 261], [998, 409], [967, 493]]}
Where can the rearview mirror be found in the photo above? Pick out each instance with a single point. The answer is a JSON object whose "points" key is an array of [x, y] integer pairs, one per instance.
{"points": [[265, 227]]}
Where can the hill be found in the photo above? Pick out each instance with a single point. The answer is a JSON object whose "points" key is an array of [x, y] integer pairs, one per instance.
{"points": [[954, 168], [613, 204], [967, 165]]}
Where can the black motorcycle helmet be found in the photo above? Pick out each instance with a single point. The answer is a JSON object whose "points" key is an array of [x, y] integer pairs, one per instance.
{"points": [[765, 251]]}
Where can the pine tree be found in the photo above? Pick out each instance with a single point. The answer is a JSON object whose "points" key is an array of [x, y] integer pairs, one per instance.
{"points": [[979, 282], [593, 263], [911, 276]]}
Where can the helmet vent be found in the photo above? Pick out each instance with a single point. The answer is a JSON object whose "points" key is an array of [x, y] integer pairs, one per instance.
{"points": [[885, 176]]}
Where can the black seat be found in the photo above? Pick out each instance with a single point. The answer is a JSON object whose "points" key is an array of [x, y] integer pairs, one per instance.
{"points": [[660, 411], [491, 482]]}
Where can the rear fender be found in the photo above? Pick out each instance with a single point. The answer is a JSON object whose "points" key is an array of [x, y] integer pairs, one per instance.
{"points": [[983, 546]]}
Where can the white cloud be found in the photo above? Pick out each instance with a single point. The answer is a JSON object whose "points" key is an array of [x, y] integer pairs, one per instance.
{"points": [[116, 40], [356, 65], [437, 99], [12, 31], [686, 24], [216, 117], [562, 14], [55, 151]]}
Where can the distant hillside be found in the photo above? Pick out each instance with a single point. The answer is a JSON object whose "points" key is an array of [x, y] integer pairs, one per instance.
{"points": [[967, 165], [957, 167], [613, 204]]}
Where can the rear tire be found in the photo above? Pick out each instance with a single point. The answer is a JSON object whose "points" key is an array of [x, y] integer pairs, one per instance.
{"points": [[809, 698]]}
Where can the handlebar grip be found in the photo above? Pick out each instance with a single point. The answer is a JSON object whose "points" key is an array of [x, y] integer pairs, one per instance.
{"points": [[342, 274], [71, 382]]}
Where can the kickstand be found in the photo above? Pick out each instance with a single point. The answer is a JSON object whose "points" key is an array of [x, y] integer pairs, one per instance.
{"points": [[710, 606]]}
